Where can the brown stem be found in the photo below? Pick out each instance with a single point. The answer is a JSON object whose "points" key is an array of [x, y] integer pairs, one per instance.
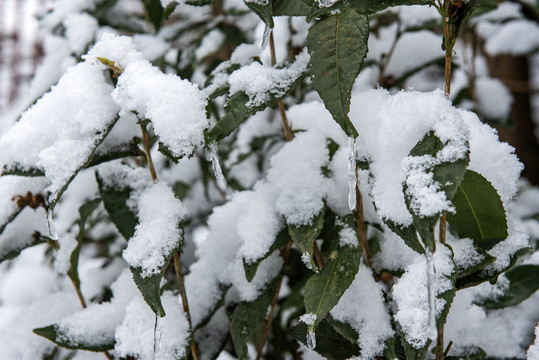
{"points": [[360, 221], [176, 257], [318, 258], [285, 254], [286, 127], [185, 303], [147, 150], [79, 294]]}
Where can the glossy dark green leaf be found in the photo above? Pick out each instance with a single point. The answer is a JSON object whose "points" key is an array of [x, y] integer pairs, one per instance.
{"points": [[343, 329], [523, 282], [411, 353], [366, 7], [338, 46], [154, 12], [262, 8], [292, 7], [408, 234], [248, 317], [53, 334], [304, 236], [324, 289], [480, 214], [150, 290], [280, 241], [115, 202], [329, 343]]}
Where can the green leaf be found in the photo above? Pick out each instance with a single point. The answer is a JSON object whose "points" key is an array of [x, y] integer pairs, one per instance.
{"points": [[469, 353], [481, 276], [292, 7], [412, 353], [343, 329], [149, 288], [408, 234], [324, 290], [487, 260], [248, 317], [154, 12], [171, 6], [329, 343], [53, 333], [14, 249], [338, 46], [523, 282], [126, 150], [84, 213], [102, 7], [304, 236], [480, 214], [263, 11], [250, 268], [115, 202]]}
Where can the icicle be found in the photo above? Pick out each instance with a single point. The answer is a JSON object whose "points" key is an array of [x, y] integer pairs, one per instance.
{"points": [[50, 223], [352, 175], [216, 167], [432, 331], [265, 39], [311, 339], [157, 334]]}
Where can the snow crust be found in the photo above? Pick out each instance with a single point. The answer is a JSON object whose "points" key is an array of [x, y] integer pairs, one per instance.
{"points": [[158, 233]]}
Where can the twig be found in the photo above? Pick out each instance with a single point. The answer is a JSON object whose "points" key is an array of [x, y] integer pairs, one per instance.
{"points": [[286, 127], [176, 257], [360, 221]]}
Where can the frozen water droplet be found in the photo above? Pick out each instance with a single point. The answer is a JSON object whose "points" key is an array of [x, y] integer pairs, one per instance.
{"points": [[216, 166], [157, 334], [352, 175], [266, 37], [311, 340], [432, 331], [50, 223]]}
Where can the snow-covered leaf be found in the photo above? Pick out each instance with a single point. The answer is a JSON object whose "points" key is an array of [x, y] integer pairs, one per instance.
{"points": [[338, 45], [291, 7], [480, 214], [408, 234], [523, 282], [262, 8], [250, 268], [304, 236]]}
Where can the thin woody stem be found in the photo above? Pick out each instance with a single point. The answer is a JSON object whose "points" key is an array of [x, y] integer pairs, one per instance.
{"points": [[360, 221], [176, 257], [286, 127]]}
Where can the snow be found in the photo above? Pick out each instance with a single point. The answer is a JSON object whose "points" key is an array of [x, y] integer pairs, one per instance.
{"points": [[135, 335], [493, 99], [259, 81], [465, 254], [295, 171], [362, 306], [411, 295], [158, 233], [17, 341], [392, 125], [519, 37], [67, 243], [210, 44], [59, 133], [80, 29], [95, 326], [533, 350], [308, 319], [152, 47], [20, 233]]}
